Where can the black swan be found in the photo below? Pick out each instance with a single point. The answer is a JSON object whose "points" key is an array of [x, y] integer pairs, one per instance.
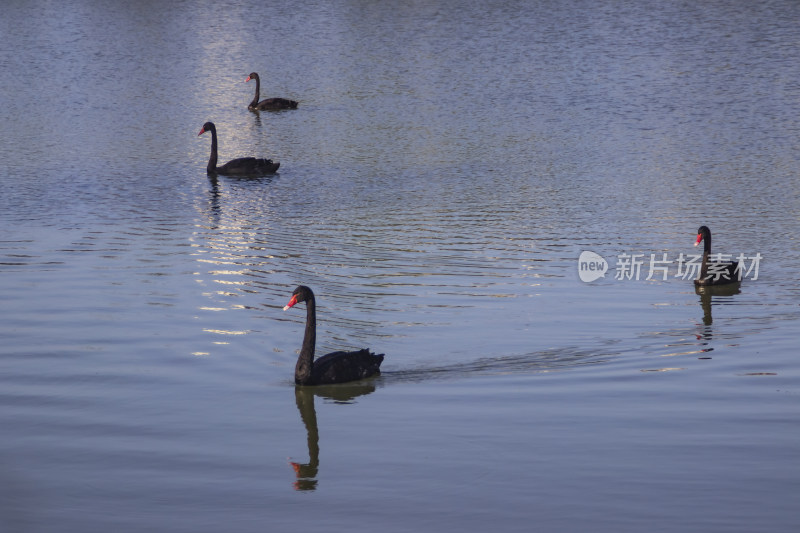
{"points": [[244, 166], [268, 104], [336, 367], [722, 272]]}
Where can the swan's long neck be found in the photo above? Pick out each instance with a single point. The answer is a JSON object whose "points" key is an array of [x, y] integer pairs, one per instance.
{"points": [[212, 161], [706, 255], [305, 362], [258, 92]]}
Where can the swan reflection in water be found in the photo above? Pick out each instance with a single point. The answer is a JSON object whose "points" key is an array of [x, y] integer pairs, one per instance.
{"points": [[306, 473], [712, 295]]}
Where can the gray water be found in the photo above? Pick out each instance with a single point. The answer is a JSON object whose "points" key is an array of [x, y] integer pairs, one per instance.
{"points": [[448, 164]]}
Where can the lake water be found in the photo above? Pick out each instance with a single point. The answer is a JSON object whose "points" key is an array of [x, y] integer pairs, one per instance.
{"points": [[446, 167]]}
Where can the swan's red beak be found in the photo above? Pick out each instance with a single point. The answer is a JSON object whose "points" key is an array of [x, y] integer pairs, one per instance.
{"points": [[291, 302], [248, 79], [202, 131], [699, 238]]}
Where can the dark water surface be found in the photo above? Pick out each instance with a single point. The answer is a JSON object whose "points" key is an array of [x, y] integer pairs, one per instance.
{"points": [[446, 167]]}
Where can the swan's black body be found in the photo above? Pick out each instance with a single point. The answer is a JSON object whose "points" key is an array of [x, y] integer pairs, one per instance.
{"points": [[722, 272], [336, 367], [268, 104], [244, 166]]}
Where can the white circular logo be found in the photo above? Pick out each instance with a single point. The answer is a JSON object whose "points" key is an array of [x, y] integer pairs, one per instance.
{"points": [[591, 266]]}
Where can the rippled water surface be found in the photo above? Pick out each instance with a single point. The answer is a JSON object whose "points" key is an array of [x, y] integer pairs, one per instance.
{"points": [[446, 167]]}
